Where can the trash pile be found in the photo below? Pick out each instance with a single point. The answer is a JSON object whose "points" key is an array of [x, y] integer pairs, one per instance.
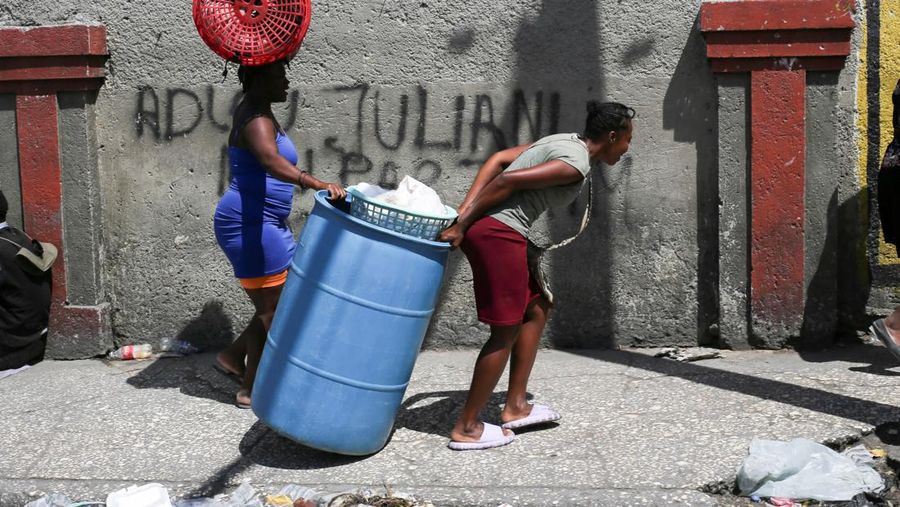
{"points": [[156, 495], [787, 472], [411, 195]]}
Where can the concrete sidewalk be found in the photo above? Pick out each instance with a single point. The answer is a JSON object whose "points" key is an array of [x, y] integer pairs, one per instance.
{"points": [[636, 430]]}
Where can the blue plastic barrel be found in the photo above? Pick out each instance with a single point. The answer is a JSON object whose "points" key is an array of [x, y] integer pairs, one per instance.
{"points": [[347, 331]]}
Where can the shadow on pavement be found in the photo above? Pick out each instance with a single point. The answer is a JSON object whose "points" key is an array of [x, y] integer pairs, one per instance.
{"points": [[810, 398], [263, 446], [879, 358], [192, 375]]}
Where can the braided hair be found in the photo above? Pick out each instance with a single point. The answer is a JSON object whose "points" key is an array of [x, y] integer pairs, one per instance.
{"points": [[247, 73], [603, 117]]}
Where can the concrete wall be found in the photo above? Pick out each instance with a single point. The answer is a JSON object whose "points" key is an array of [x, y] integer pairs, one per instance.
{"points": [[9, 158], [382, 89]]}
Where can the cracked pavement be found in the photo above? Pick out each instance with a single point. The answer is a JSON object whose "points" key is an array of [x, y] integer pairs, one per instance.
{"points": [[636, 430]]}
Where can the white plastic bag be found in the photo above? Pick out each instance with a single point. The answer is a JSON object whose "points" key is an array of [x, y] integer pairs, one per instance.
{"points": [[371, 191], [244, 496], [802, 469], [148, 495], [411, 195], [51, 500]]}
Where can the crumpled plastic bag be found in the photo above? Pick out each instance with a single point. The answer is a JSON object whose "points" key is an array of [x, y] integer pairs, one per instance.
{"points": [[371, 191], [411, 195], [804, 469], [245, 496], [51, 500], [147, 495], [199, 502]]}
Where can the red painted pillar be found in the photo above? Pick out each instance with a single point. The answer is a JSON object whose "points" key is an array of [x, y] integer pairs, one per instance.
{"points": [[41, 177], [778, 159], [777, 42], [36, 63]]}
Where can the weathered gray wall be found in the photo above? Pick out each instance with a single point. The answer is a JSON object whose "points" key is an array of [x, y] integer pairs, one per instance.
{"points": [[734, 209], [9, 158], [385, 88]]}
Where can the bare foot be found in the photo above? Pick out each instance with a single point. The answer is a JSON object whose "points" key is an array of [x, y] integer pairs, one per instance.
{"points": [[229, 363], [470, 434], [242, 399], [515, 412]]}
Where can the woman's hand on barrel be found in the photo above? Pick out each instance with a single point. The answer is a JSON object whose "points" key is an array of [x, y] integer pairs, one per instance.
{"points": [[335, 191], [453, 235]]}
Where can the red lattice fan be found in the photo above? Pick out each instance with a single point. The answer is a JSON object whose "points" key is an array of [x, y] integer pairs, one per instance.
{"points": [[252, 32]]}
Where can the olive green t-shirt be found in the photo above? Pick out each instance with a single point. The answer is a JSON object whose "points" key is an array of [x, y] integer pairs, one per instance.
{"points": [[525, 206]]}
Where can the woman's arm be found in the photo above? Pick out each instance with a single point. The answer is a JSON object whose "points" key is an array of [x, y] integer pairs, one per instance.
{"points": [[491, 168], [549, 174], [259, 135]]}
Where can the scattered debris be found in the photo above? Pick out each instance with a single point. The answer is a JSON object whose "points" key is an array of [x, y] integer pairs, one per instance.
{"points": [[156, 495], [51, 500], [688, 354], [878, 453], [148, 495]]}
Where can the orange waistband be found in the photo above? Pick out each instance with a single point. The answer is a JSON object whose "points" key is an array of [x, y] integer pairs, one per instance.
{"points": [[264, 282]]}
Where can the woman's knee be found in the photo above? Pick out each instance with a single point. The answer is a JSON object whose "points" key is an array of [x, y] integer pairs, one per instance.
{"points": [[538, 309], [266, 318], [504, 336]]}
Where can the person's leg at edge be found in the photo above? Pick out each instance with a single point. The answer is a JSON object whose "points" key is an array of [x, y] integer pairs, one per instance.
{"points": [[265, 301], [892, 323], [523, 355], [488, 368], [233, 358]]}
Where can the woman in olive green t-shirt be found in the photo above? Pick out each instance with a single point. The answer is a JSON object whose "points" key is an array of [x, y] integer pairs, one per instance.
{"points": [[494, 221]]}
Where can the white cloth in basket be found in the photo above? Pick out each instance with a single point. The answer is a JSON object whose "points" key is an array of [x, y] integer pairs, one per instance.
{"points": [[411, 195]]}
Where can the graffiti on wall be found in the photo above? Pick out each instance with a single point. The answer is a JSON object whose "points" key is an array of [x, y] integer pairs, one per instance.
{"points": [[430, 136]]}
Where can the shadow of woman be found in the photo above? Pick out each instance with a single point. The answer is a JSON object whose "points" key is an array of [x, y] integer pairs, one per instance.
{"points": [[193, 375]]}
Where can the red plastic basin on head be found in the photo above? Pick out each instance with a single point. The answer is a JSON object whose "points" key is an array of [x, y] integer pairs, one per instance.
{"points": [[252, 32]]}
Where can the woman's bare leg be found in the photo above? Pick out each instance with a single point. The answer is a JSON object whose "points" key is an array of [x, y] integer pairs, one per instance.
{"points": [[265, 301], [488, 368], [523, 354]]}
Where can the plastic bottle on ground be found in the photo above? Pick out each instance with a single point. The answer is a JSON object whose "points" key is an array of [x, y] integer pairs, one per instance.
{"points": [[128, 352], [178, 346]]}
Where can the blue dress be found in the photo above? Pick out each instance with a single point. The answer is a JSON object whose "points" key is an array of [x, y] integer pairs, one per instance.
{"points": [[251, 217]]}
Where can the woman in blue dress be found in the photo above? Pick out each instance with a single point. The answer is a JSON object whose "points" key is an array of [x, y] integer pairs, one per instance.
{"points": [[251, 217]]}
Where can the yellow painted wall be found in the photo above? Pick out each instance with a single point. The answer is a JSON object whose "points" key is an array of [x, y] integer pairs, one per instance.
{"points": [[890, 73]]}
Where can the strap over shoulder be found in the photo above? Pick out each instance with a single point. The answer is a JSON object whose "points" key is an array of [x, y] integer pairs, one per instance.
{"points": [[41, 262], [585, 220]]}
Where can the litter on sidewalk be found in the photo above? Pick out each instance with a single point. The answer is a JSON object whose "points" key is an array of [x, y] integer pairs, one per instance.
{"points": [[148, 495], [803, 469], [688, 354], [156, 495]]}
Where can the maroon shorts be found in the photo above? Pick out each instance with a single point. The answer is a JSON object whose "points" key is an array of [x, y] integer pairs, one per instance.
{"points": [[503, 287]]}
